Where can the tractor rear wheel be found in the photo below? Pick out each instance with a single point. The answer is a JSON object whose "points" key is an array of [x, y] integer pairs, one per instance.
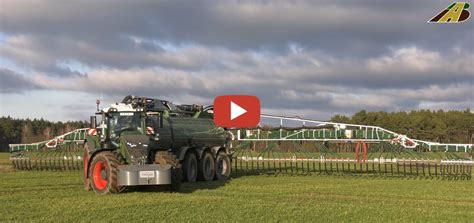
{"points": [[207, 167], [103, 172], [163, 157], [190, 167], [223, 166], [85, 159]]}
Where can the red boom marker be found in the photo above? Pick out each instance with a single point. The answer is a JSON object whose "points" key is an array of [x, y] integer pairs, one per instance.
{"points": [[92, 132], [150, 130]]}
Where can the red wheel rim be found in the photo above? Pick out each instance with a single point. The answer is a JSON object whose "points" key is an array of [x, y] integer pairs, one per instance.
{"points": [[100, 175]]}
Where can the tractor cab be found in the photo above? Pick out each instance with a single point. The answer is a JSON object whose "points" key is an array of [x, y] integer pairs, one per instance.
{"points": [[124, 151]]}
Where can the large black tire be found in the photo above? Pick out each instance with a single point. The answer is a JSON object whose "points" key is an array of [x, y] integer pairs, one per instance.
{"points": [[190, 167], [103, 172], [163, 157], [207, 167], [85, 175], [223, 166]]}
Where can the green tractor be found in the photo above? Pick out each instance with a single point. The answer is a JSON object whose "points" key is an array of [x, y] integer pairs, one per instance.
{"points": [[145, 141]]}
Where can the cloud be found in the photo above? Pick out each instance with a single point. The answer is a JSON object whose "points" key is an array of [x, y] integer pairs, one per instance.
{"points": [[12, 82], [296, 80], [335, 27], [316, 57]]}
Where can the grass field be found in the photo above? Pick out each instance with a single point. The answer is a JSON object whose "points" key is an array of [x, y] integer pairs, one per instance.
{"points": [[59, 196]]}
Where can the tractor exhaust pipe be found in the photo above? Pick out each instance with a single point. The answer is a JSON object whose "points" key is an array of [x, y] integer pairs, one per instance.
{"points": [[93, 123]]}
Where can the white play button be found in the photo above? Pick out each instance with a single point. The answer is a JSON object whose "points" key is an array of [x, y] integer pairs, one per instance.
{"points": [[236, 110]]}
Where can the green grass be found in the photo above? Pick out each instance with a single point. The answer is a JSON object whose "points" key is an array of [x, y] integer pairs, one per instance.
{"points": [[5, 163], [59, 196], [4, 159]]}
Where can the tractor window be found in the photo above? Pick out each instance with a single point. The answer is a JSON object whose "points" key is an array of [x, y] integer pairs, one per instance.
{"points": [[120, 122], [154, 120]]}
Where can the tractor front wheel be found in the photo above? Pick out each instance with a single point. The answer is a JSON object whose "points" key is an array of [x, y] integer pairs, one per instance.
{"points": [[103, 173]]}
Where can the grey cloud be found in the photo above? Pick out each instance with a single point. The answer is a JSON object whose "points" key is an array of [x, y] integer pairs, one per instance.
{"points": [[98, 34], [294, 80], [337, 27], [325, 56], [42, 53], [277, 92], [12, 82]]}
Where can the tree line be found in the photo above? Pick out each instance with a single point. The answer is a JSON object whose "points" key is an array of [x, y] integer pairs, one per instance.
{"points": [[437, 126], [14, 130]]}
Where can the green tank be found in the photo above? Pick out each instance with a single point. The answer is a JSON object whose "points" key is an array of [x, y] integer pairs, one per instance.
{"points": [[145, 141]]}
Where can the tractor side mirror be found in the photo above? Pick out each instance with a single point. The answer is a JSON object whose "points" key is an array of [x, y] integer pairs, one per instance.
{"points": [[93, 123]]}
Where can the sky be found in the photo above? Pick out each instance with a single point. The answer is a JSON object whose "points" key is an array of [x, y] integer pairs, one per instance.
{"points": [[313, 59]]}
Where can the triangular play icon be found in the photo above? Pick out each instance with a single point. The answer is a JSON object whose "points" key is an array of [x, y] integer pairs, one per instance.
{"points": [[236, 110]]}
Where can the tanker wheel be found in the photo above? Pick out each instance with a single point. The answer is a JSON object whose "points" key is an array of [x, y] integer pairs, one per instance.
{"points": [[207, 167], [223, 166], [163, 157], [190, 167], [103, 172], [85, 159]]}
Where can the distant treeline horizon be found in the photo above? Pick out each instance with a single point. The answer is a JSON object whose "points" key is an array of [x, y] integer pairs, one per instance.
{"points": [[454, 126], [15, 130]]}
